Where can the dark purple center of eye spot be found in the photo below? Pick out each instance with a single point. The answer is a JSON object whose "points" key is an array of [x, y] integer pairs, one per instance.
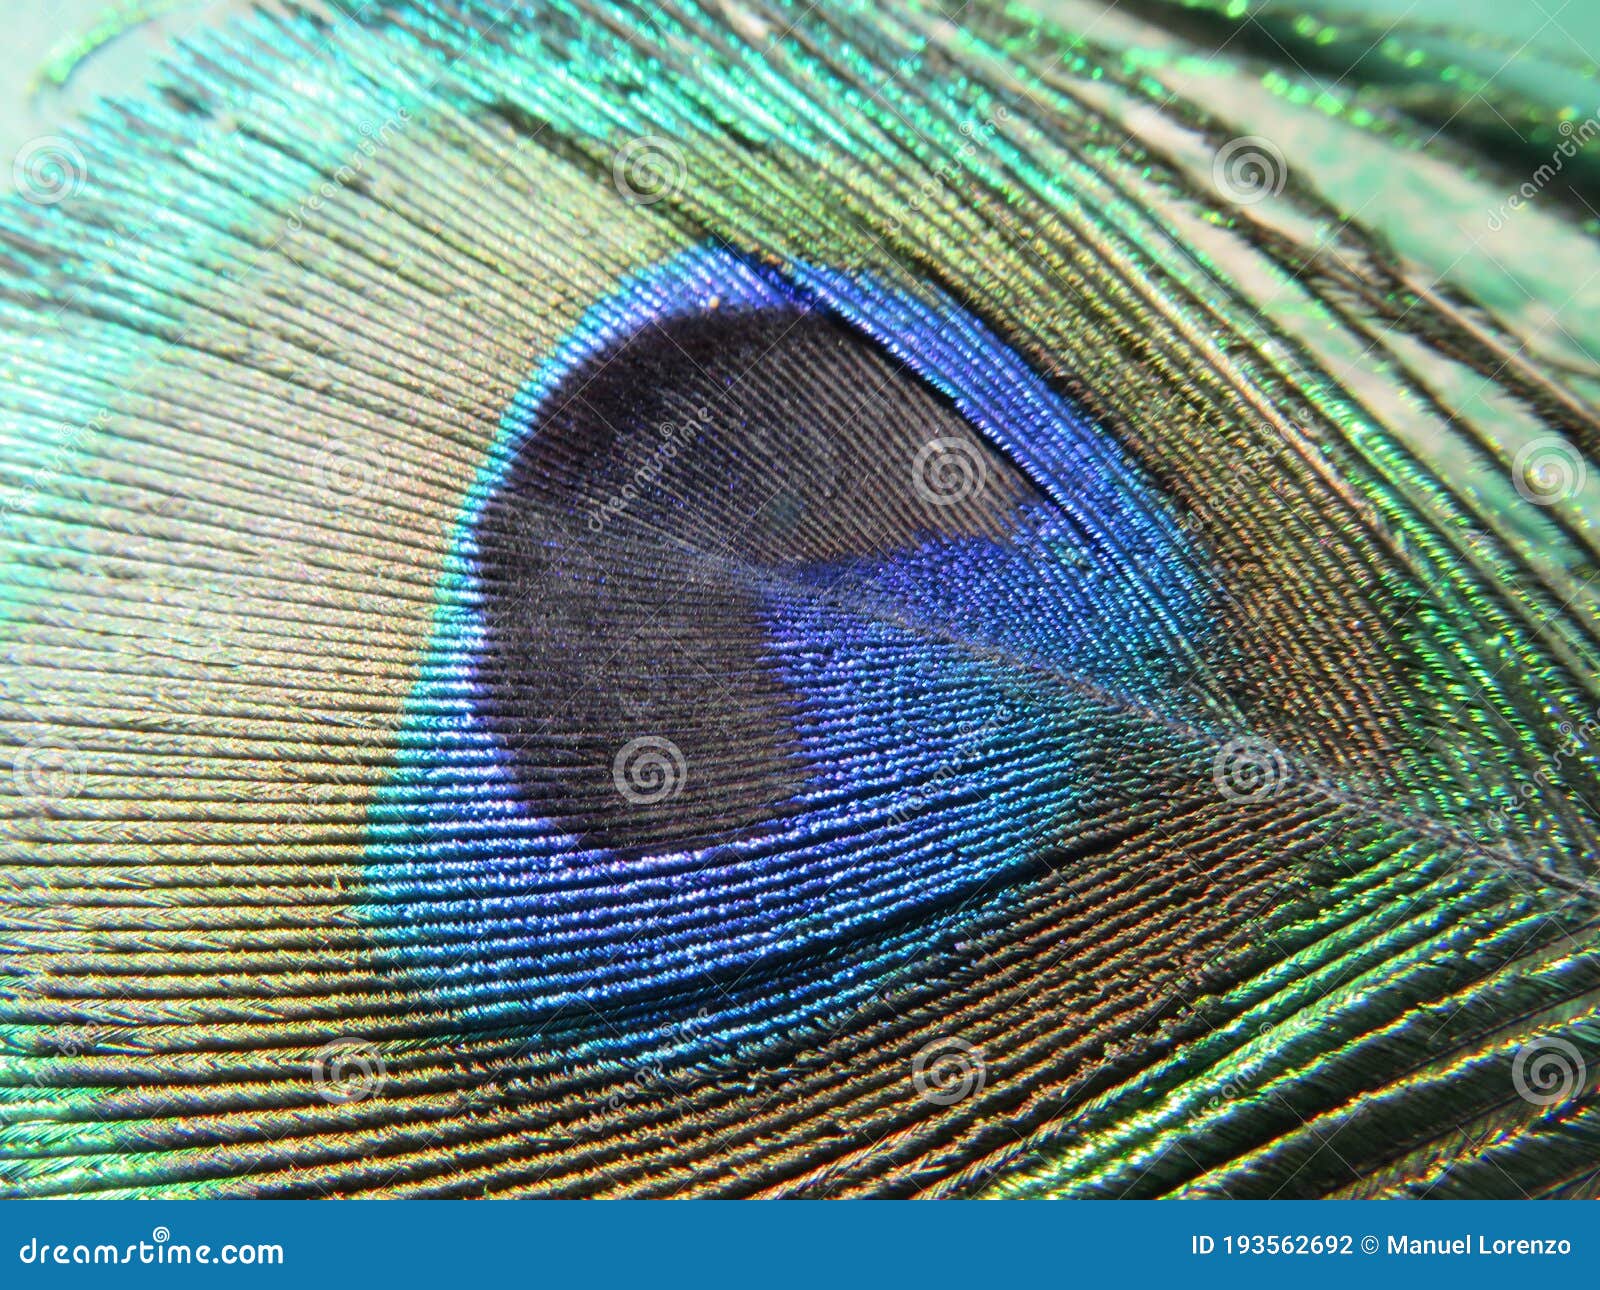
{"points": [[672, 487]]}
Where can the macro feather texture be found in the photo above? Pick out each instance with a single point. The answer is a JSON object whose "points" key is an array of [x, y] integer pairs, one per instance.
{"points": [[757, 598]]}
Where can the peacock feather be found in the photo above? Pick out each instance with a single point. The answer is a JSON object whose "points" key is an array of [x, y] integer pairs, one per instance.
{"points": [[753, 597]]}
